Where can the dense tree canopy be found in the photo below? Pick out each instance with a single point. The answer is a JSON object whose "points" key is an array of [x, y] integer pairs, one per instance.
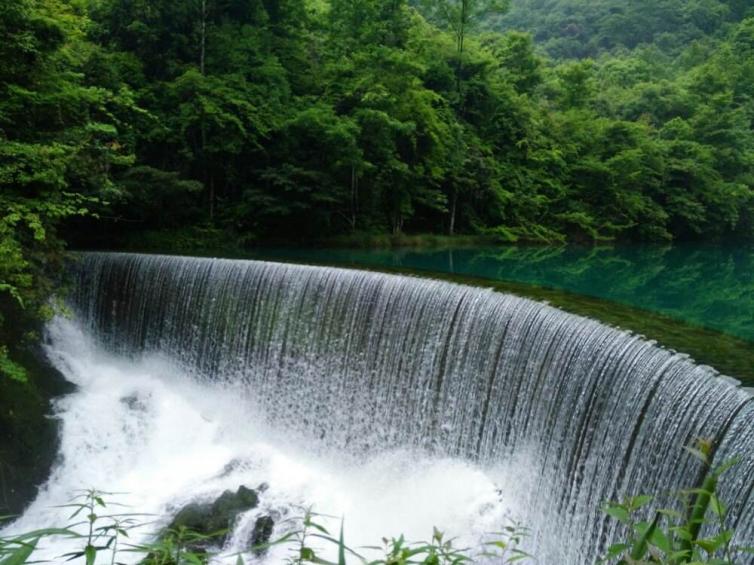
{"points": [[305, 119], [60, 136], [587, 28]]}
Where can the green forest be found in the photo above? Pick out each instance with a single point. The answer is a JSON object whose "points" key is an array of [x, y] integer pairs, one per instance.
{"points": [[578, 29], [132, 123]]}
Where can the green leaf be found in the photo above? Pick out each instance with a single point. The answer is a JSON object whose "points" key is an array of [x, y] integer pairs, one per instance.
{"points": [[91, 554], [646, 531], [619, 512], [21, 555], [617, 550], [341, 546], [659, 539], [638, 502], [717, 506]]}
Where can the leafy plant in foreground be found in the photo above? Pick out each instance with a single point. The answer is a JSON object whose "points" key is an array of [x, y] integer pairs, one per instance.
{"points": [[675, 538], [179, 546], [103, 532], [439, 550], [17, 550], [300, 541]]}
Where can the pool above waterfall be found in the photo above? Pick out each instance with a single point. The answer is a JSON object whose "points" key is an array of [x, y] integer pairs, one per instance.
{"points": [[396, 403]]}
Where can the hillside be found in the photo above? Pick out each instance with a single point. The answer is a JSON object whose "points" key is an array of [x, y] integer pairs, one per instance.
{"points": [[586, 28]]}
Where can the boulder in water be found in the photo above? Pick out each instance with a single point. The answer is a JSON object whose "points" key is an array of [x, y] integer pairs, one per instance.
{"points": [[261, 533], [216, 517]]}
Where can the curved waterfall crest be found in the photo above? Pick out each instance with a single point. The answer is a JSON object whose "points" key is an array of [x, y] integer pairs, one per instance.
{"points": [[357, 361]]}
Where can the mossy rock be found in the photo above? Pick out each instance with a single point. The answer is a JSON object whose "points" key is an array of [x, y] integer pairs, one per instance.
{"points": [[210, 518], [29, 439]]}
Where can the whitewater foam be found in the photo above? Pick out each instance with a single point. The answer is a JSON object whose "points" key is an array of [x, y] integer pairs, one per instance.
{"points": [[160, 440]]}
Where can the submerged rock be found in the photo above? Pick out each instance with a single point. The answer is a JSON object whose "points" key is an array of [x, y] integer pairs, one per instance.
{"points": [[135, 402]]}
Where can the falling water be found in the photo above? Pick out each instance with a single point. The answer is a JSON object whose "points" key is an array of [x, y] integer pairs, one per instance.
{"points": [[356, 365]]}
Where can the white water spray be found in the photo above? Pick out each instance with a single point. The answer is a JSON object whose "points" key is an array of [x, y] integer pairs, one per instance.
{"points": [[160, 440]]}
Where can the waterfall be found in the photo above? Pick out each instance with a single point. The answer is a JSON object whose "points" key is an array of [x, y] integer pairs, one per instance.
{"points": [[358, 363]]}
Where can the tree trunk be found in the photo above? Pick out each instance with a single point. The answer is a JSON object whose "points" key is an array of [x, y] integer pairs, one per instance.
{"points": [[202, 52], [354, 197], [211, 198], [460, 36], [206, 178], [203, 46], [397, 223], [453, 206]]}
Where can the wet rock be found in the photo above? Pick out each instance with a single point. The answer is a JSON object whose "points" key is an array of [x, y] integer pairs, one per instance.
{"points": [[210, 518], [261, 533], [29, 440]]}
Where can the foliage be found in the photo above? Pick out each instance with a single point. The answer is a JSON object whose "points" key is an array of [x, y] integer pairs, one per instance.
{"points": [[301, 119], [581, 28], [122, 121], [174, 547], [696, 535], [58, 142], [106, 536], [439, 550]]}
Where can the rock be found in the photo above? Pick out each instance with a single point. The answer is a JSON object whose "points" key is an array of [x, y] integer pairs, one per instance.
{"points": [[229, 505], [194, 516], [262, 533], [212, 517], [29, 440]]}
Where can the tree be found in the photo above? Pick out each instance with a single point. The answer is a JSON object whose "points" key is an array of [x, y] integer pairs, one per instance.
{"points": [[59, 146], [462, 17]]}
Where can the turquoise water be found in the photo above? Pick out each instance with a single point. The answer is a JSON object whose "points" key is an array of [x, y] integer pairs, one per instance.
{"points": [[710, 286]]}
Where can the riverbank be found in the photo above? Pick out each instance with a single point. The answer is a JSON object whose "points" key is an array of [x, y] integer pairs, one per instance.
{"points": [[199, 239]]}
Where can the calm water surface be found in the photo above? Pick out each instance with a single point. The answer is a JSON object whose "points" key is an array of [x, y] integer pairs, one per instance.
{"points": [[705, 285]]}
